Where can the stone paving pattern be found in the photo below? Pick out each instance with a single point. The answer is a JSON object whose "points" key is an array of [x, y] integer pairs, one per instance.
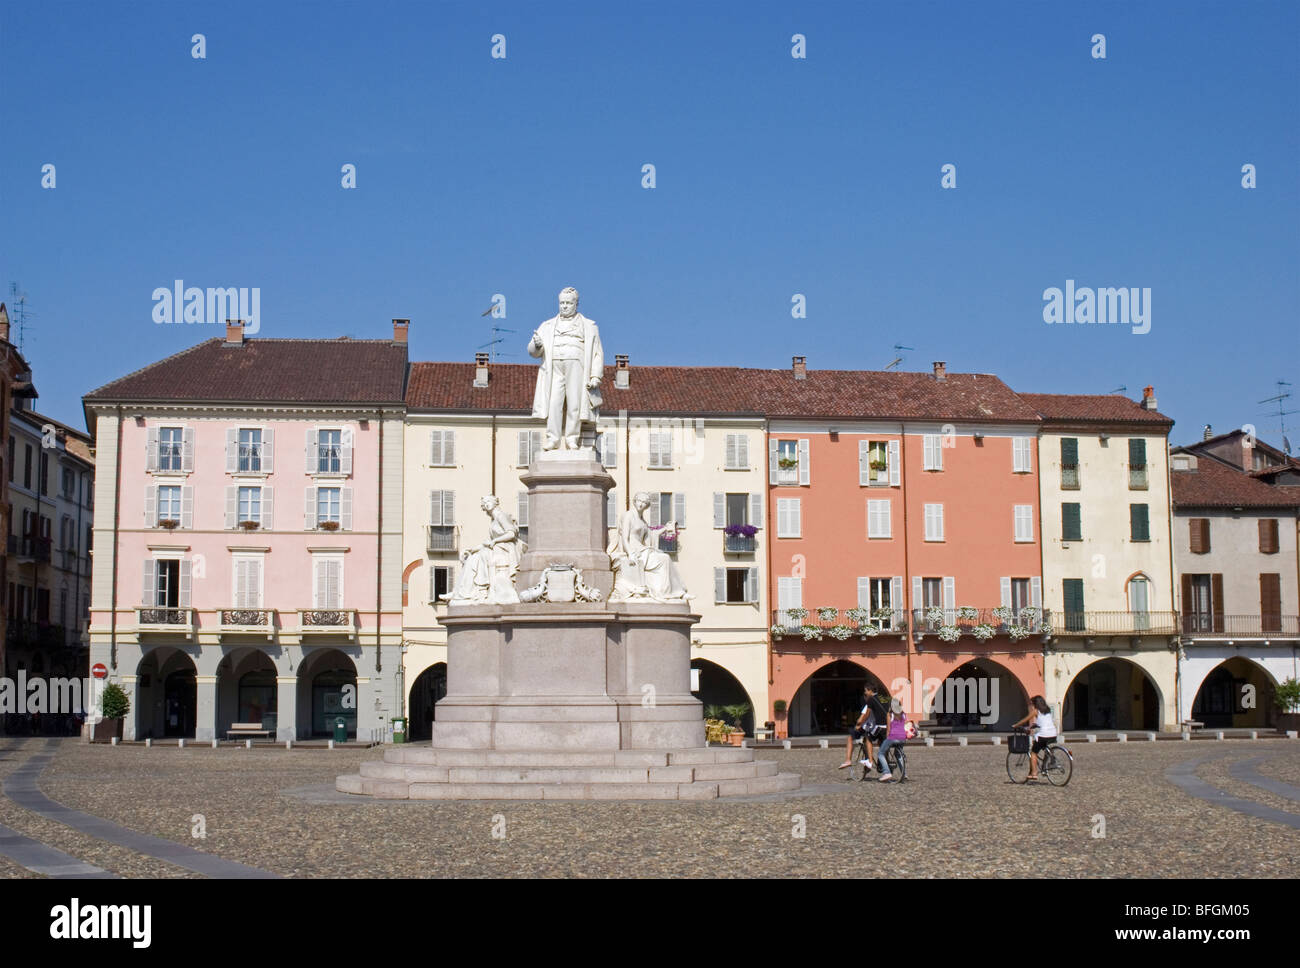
{"points": [[957, 816]]}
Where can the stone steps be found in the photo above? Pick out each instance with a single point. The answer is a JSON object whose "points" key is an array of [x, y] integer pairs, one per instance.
{"points": [[427, 756]]}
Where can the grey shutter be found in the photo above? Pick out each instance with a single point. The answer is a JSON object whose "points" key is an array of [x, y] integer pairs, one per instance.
{"points": [[150, 596], [187, 507], [719, 585], [435, 508], [896, 595], [771, 461], [611, 509], [523, 449], [756, 510], [719, 510], [1036, 592], [310, 509], [151, 448], [186, 583], [751, 585], [268, 451], [679, 509], [435, 447], [313, 451], [949, 595], [232, 506], [731, 459], [742, 452], [232, 451], [150, 505], [345, 509], [522, 508], [449, 447], [268, 508], [918, 593], [805, 463], [187, 449], [449, 508], [864, 463], [433, 578], [345, 459]]}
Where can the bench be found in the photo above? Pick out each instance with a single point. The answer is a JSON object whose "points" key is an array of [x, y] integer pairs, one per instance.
{"points": [[763, 734], [1190, 724], [237, 730], [928, 727]]}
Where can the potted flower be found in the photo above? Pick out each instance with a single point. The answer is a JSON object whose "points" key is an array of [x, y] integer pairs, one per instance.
{"points": [[934, 615], [328, 525], [827, 614], [114, 705], [879, 465], [740, 530], [967, 614], [1017, 632], [949, 633], [249, 525], [777, 631], [787, 463], [736, 713], [1286, 695], [811, 632], [983, 632], [840, 632], [169, 523], [779, 708], [797, 614]]}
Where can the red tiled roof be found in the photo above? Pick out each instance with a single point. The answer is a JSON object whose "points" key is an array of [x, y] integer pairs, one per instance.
{"points": [[1092, 408], [269, 371], [1215, 484], [738, 391]]}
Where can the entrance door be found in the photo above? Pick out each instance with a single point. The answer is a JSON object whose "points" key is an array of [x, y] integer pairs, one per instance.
{"points": [[180, 704]]}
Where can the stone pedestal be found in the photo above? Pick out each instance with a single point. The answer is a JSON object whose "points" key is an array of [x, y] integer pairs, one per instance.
{"points": [[566, 517]]}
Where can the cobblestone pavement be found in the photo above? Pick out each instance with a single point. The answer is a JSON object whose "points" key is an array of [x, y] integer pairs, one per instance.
{"points": [[957, 816]]}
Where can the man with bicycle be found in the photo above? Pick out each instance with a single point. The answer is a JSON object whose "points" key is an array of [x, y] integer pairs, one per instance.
{"points": [[870, 726], [1044, 730]]}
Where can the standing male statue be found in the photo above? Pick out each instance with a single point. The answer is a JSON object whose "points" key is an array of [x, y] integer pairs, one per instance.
{"points": [[568, 382]]}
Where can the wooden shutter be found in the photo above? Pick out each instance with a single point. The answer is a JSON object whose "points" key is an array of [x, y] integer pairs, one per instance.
{"points": [[1187, 596], [150, 505], [864, 463], [345, 508], [268, 508], [796, 517], [1139, 523], [918, 593], [1036, 591], [232, 506], [187, 506], [1270, 602], [742, 453], [345, 458], [719, 585], [1216, 596], [435, 447], [805, 463], [949, 595], [524, 454], [268, 451], [864, 592], [896, 594], [756, 510], [310, 509], [1268, 536], [732, 461], [149, 597], [232, 451], [312, 449], [751, 585], [1004, 590], [719, 510], [679, 509], [1069, 450], [1137, 451], [435, 509], [151, 449], [771, 461], [1071, 523], [1020, 461], [433, 583], [186, 583]]}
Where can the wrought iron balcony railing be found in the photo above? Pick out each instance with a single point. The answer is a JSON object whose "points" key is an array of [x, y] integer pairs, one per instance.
{"points": [[816, 623], [164, 618], [981, 623], [1070, 477], [738, 544], [247, 620], [327, 620], [441, 538], [1137, 477], [1206, 625], [1117, 623]]}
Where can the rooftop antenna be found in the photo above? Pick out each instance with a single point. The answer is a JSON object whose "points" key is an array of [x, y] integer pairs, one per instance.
{"points": [[18, 300], [1123, 390], [1282, 412], [491, 345], [898, 355]]}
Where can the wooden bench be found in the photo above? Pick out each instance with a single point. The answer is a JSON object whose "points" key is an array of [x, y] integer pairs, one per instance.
{"points": [[237, 730], [763, 734], [1191, 724]]}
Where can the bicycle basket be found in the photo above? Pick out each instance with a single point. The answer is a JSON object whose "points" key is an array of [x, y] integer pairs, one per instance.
{"points": [[1018, 743]]}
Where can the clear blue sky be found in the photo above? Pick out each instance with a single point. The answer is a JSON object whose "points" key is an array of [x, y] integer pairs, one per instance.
{"points": [[775, 176]]}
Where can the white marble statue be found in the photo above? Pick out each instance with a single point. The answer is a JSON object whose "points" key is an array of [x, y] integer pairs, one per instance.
{"points": [[487, 572], [568, 382], [641, 570]]}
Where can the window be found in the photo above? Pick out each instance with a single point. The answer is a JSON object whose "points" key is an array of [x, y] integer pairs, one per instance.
{"points": [[327, 583], [880, 593], [735, 586], [1023, 522], [669, 507], [440, 582], [607, 448], [1071, 523], [169, 504], [329, 452], [442, 519], [660, 446], [1020, 595], [247, 577], [932, 452], [250, 452], [876, 462], [1070, 463], [1203, 603], [1139, 602], [164, 591], [530, 445], [171, 448], [934, 522], [248, 504], [932, 592], [789, 462], [788, 523], [1268, 536], [1139, 522], [329, 505], [737, 457], [1137, 464], [522, 508], [1020, 459], [27, 467], [878, 521], [1200, 535], [69, 485], [1074, 614], [442, 448]]}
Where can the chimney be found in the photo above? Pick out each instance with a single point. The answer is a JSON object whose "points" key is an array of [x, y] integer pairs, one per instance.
{"points": [[4, 322], [234, 332], [622, 375], [1148, 398], [1247, 453], [940, 370], [800, 367], [400, 326], [1207, 433], [480, 364]]}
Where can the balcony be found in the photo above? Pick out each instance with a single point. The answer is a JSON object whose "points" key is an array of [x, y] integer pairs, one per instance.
{"points": [[1069, 477], [1202, 625], [670, 546], [852, 623], [738, 544], [950, 624], [1137, 477], [440, 538], [164, 618], [1117, 623], [327, 621], [260, 621]]}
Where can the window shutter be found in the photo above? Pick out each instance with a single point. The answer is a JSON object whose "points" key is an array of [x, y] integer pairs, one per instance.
{"points": [[805, 464], [652, 512], [151, 505], [1139, 522], [731, 460], [435, 509], [268, 508], [611, 509], [751, 585], [232, 506], [918, 593], [232, 451], [187, 506], [864, 592], [756, 510], [345, 459], [949, 593], [864, 463], [435, 447], [449, 508], [1071, 525], [241, 583], [312, 449], [1019, 454], [433, 583], [609, 448], [523, 449], [187, 449], [1270, 601], [1069, 450], [679, 509], [771, 461], [345, 509], [522, 508], [1205, 535], [1024, 522], [1036, 591], [895, 464], [150, 596], [1186, 603], [719, 585], [1137, 451], [268, 451], [742, 454], [449, 447], [310, 520], [1268, 536], [151, 448], [796, 515], [186, 582], [719, 510], [1004, 589], [319, 593], [1216, 593]]}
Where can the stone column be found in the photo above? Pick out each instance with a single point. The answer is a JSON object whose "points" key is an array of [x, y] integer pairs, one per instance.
{"points": [[566, 517], [286, 708], [205, 708], [128, 686]]}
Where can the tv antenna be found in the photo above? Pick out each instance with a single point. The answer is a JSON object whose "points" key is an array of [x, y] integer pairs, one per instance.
{"points": [[898, 355], [1123, 389], [1282, 413], [18, 300], [491, 345]]}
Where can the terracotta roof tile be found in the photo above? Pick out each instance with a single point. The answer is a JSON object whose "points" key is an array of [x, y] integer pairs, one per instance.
{"points": [[1092, 408], [1215, 484]]}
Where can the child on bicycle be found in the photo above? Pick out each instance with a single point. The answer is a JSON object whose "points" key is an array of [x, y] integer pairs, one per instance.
{"points": [[868, 727], [896, 736], [1044, 729]]}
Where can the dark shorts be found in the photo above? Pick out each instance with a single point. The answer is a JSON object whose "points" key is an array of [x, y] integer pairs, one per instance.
{"points": [[1041, 743], [874, 733]]}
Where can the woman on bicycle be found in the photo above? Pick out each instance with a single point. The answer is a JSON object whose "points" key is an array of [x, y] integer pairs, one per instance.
{"points": [[1044, 728], [896, 736]]}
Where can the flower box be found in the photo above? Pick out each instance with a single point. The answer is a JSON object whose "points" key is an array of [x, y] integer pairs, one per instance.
{"points": [[249, 525], [169, 523], [328, 525]]}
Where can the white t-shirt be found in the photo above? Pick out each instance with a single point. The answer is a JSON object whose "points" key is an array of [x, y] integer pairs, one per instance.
{"points": [[1045, 725]]}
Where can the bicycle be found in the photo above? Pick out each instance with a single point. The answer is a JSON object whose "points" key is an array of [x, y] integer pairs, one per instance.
{"points": [[1055, 761], [895, 759]]}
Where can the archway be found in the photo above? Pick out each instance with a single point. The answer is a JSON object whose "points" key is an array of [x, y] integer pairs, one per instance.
{"points": [[166, 694], [1111, 693], [247, 690], [1237, 693], [718, 687], [429, 686], [830, 700], [327, 692], [979, 695]]}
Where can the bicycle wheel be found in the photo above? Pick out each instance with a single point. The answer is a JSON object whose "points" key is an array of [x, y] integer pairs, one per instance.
{"points": [[1059, 765], [1018, 767], [860, 754]]}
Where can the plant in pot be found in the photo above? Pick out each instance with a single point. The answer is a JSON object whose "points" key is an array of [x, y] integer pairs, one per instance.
{"points": [[787, 463], [114, 705], [169, 523], [735, 715], [328, 525], [249, 525], [779, 708], [1286, 695]]}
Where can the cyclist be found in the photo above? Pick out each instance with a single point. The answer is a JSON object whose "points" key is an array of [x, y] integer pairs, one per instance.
{"points": [[870, 724], [896, 736], [1044, 727]]}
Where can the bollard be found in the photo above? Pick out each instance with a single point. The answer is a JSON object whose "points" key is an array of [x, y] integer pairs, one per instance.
{"points": [[1219, 735], [785, 744], [248, 744], [1254, 734], [1122, 737], [114, 740], [214, 743], [331, 744], [824, 744], [744, 744], [1291, 734], [1187, 736], [997, 740], [929, 741], [288, 744], [961, 740], [180, 744], [1151, 737], [148, 743], [1090, 737]]}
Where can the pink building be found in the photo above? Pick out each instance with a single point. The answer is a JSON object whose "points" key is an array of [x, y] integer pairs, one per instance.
{"points": [[248, 536]]}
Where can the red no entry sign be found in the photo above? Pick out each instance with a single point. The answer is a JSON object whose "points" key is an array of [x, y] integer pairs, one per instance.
{"points": [[99, 670]]}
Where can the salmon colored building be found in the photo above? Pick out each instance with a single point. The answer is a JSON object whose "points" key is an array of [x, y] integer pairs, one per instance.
{"points": [[905, 539]]}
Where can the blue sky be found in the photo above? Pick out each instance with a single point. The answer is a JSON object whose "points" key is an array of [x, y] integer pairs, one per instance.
{"points": [[775, 176]]}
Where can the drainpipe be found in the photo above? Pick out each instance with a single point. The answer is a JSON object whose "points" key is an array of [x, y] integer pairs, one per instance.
{"points": [[1042, 570], [117, 527], [379, 544], [771, 575], [907, 569], [494, 454], [1173, 584]]}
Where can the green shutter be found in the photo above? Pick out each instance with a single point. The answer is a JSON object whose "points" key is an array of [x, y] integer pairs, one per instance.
{"points": [[1139, 523], [1074, 617], [1071, 523], [1137, 451], [1069, 450]]}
